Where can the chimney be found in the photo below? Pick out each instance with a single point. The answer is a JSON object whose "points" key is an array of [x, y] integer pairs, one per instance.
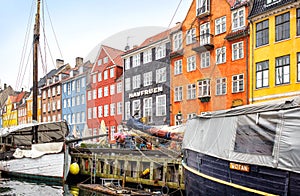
{"points": [[5, 86], [79, 61], [59, 63]]}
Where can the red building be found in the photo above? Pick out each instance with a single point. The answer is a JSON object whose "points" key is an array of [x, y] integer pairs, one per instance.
{"points": [[104, 93]]}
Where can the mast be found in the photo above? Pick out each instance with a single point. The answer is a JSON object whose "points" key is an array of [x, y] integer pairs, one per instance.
{"points": [[36, 41]]}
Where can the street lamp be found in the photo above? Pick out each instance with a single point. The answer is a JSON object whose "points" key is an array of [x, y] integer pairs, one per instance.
{"points": [[179, 117]]}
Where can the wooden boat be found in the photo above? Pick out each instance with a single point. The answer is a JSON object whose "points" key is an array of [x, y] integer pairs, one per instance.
{"points": [[250, 150], [47, 159]]}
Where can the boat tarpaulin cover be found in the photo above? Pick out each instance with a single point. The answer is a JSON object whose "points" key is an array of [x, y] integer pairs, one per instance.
{"points": [[266, 134], [38, 150]]}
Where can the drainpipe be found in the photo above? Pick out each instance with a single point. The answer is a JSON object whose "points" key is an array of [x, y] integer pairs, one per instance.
{"points": [[252, 58]]}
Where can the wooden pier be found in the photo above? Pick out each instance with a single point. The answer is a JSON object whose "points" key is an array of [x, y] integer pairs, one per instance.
{"points": [[147, 168]]}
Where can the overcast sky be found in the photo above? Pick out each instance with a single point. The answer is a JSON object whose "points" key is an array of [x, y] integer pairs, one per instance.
{"points": [[78, 25]]}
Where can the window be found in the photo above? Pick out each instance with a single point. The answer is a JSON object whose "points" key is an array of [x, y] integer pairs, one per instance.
{"points": [[205, 59], [100, 111], [83, 82], [178, 67], [105, 60], [94, 78], [161, 75], [298, 66], [238, 19], [49, 92], [44, 94], [89, 95], [237, 51], [127, 84], [127, 110], [105, 91], [99, 62], [262, 74], [112, 132], [106, 112], [160, 52], [161, 105], [221, 55], [89, 113], [237, 83], [221, 86], [205, 34], [99, 92], [53, 91], [112, 72], [282, 70], [148, 109], [82, 116], [191, 91], [298, 21], [119, 87], [94, 112], [191, 36], [178, 93], [147, 56], [127, 63], [262, 33], [77, 100], [191, 63], [119, 108], [177, 41], [78, 117], [94, 94], [82, 99], [220, 25], [77, 86], [112, 109], [204, 88], [272, 1], [202, 6], [105, 76], [68, 89], [282, 26], [136, 108], [136, 81], [112, 89], [136, 60], [58, 105], [73, 101], [148, 78]]}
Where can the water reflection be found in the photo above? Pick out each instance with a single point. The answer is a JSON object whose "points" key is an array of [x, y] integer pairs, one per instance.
{"points": [[14, 187]]}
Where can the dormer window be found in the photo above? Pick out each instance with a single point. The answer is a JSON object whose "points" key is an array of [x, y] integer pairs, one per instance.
{"points": [[238, 19], [202, 7], [272, 1]]}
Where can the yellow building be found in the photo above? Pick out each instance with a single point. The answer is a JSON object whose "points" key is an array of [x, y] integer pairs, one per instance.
{"points": [[29, 108], [274, 50]]}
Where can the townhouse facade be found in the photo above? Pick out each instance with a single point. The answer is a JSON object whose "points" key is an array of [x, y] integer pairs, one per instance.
{"points": [[275, 50], [209, 59], [74, 97], [104, 94], [147, 80]]}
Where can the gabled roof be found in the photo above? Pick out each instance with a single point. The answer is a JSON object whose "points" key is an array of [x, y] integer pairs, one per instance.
{"points": [[18, 97], [260, 6], [114, 54]]}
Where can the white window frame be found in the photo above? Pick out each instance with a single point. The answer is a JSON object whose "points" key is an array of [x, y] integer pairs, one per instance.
{"points": [[136, 81], [127, 112], [147, 78], [112, 89], [191, 91], [147, 110], [221, 86], [136, 60], [161, 104], [237, 50], [221, 55], [112, 72], [178, 67], [202, 7], [136, 107], [191, 36], [147, 56], [238, 19], [105, 75], [127, 63], [100, 111], [237, 82], [105, 91], [204, 88], [106, 110], [220, 25], [205, 34], [161, 75], [178, 91], [160, 51], [191, 63], [112, 109], [177, 41], [205, 59], [127, 84]]}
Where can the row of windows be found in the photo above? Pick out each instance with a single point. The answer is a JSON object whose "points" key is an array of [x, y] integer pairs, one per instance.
{"points": [[73, 86], [282, 71], [75, 101], [52, 106], [204, 87], [282, 29], [160, 107], [104, 92], [79, 117], [145, 56], [104, 60], [52, 118], [105, 111], [238, 22], [135, 81], [51, 92], [105, 75]]}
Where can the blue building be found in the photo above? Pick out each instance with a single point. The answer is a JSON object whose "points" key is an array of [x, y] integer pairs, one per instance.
{"points": [[74, 97]]}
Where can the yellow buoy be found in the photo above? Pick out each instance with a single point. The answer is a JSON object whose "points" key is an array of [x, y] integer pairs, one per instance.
{"points": [[74, 168]]}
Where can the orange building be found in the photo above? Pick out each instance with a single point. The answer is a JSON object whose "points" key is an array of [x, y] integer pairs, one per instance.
{"points": [[209, 59]]}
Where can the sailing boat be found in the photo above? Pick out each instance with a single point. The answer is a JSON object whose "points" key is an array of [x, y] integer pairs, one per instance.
{"points": [[36, 150]]}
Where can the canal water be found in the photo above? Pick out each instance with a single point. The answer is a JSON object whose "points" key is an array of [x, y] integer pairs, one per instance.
{"points": [[14, 187]]}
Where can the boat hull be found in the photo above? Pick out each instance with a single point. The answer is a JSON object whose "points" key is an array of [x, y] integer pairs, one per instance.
{"points": [[52, 167], [207, 175]]}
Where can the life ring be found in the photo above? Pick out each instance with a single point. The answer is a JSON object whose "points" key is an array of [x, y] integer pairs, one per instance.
{"points": [[165, 190]]}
